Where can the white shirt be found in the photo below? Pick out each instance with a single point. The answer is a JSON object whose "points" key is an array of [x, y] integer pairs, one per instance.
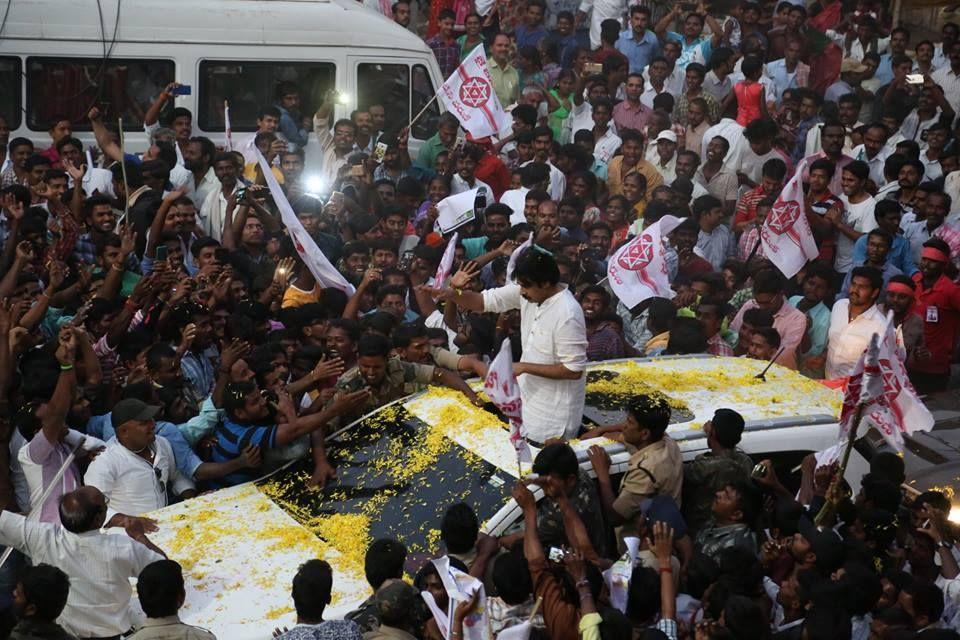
{"points": [[459, 185], [553, 332], [581, 117], [180, 176], [846, 340], [931, 168], [913, 127], [213, 212], [99, 565], [950, 83], [876, 163], [860, 217], [133, 485], [729, 129], [95, 179], [324, 160], [951, 186], [673, 83], [558, 182]]}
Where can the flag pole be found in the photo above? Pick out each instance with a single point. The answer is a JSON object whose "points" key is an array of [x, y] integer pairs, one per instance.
{"points": [[422, 111], [753, 253], [828, 508], [123, 168]]}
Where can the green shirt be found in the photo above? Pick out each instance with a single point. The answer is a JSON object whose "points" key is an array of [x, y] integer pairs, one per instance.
{"points": [[506, 82], [427, 157]]}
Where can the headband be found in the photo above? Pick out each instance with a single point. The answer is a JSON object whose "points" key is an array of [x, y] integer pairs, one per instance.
{"points": [[932, 253], [899, 287]]}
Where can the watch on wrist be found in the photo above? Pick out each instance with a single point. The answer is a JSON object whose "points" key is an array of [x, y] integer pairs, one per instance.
{"points": [[943, 544]]}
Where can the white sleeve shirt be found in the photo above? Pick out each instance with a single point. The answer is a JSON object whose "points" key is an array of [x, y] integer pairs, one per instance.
{"points": [[99, 565], [133, 485]]}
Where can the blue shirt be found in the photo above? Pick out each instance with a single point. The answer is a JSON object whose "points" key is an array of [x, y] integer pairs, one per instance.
{"points": [[291, 129], [884, 72], [527, 37], [782, 79], [232, 439], [699, 51], [638, 52], [187, 460], [819, 316], [900, 255]]}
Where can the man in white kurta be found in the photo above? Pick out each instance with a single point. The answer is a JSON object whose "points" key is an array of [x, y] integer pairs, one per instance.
{"points": [[551, 372]]}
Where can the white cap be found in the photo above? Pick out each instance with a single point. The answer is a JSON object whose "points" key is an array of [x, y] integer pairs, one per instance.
{"points": [[667, 135]]}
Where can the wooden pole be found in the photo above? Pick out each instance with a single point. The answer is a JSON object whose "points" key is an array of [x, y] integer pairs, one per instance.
{"points": [[828, 509]]}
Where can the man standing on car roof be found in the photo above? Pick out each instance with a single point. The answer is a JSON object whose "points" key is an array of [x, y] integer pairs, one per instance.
{"points": [[551, 371]]}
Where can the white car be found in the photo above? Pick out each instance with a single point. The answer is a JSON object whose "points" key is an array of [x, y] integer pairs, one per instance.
{"points": [[402, 465]]}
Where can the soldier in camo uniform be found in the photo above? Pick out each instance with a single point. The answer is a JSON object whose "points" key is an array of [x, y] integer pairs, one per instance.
{"points": [[710, 472]]}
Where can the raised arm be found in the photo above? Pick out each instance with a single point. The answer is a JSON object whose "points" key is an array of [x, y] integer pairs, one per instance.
{"points": [[104, 140], [153, 113], [664, 23]]}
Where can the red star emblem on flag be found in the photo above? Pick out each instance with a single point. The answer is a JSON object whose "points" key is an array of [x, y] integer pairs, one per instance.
{"points": [[638, 255], [783, 216], [475, 92]]}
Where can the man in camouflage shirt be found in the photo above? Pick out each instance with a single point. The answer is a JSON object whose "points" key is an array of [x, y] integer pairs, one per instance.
{"points": [[735, 508], [388, 379], [710, 472]]}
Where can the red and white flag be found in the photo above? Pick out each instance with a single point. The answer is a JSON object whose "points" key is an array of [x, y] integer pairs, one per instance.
{"points": [[446, 262], [502, 389], [785, 235], [638, 270], [321, 268], [880, 382], [468, 94], [228, 143]]}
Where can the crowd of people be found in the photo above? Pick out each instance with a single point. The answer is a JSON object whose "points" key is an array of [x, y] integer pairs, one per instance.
{"points": [[165, 334]]}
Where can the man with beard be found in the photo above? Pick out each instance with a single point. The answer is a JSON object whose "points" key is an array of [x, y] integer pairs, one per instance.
{"points": [[364, 139], [900, 293], [196, 175], [832, 137], [877, 256], [396, 160], [938, 302], [720, 182], [214, 208], [853, 321], [551, 373], [496, 223]]}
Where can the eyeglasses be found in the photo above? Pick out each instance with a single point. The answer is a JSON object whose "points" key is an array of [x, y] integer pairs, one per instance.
{"points": [[161, 483]]}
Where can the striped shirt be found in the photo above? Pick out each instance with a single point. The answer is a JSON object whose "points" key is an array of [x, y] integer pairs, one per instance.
{"points": [[232, 439]]}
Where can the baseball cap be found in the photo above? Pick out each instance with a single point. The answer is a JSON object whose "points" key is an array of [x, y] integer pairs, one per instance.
{"points": [[826, 545], [849, 65], [667, 135], [132, 409]]}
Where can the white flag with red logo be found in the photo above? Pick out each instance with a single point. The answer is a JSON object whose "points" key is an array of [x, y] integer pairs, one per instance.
{"points": [[321, 268], [504, 392], [638, 270], [228, 143], [785, 235], [446, 262], [468, 94], [880, 382]]}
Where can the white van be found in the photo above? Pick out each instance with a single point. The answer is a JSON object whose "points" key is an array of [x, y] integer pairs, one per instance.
{"points": [[57, 59]]}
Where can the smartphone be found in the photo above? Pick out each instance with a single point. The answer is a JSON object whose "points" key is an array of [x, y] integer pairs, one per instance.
{"points": [[357, 171], [556, 554], [914, 78], [182, 90], [379, 151], [162, 253], [221, 255], [688, 6], [593, 68]]}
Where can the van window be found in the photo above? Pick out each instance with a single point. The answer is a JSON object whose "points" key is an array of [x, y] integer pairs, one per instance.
{"points": [[387, 85], [10, 98], [67, 88], [251, 85], [390, 86], [423, 92]]}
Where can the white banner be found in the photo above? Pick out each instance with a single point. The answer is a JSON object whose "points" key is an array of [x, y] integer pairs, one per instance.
{"points": [[638, 270], [512, 263], [468, 94], [457, 210], [321, 268], [460, 587], [228, 142], [785, 235]]}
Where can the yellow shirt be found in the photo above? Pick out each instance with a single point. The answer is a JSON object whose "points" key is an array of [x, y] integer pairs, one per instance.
{"points": [[294, 297], [252, 171], [647, 170]]}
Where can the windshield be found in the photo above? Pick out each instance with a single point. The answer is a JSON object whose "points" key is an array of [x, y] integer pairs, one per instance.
{"points": [[393, 470]]}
